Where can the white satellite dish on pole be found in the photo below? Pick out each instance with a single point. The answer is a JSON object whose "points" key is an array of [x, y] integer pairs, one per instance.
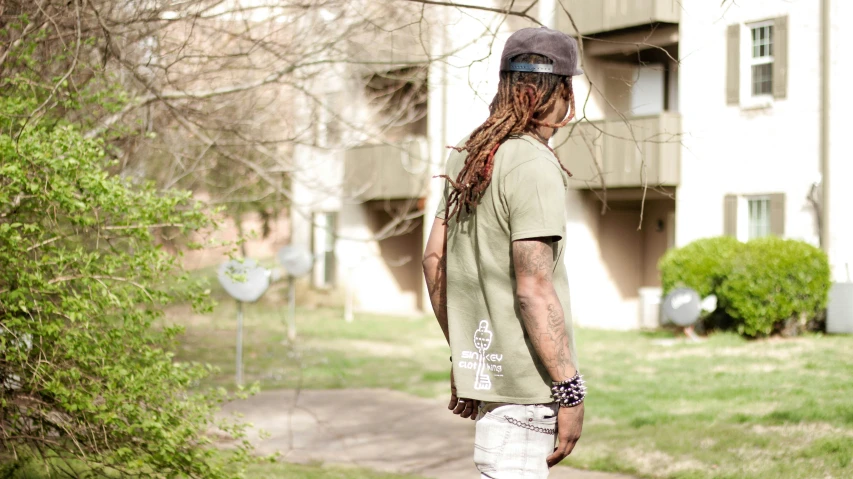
{"points": [[245, 281], [297, 261], [683, 306]]}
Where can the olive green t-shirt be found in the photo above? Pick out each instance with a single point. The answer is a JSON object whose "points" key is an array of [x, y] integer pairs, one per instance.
{"points": [[493, 358]]}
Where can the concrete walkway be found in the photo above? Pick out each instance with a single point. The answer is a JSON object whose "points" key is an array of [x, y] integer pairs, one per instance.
{"points": [[377, 429]]}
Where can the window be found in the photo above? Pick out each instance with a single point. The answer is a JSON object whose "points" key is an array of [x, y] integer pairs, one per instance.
{"points": [[323, 245], [761, 60], [747, 217], [759, 217], [757, 63]]}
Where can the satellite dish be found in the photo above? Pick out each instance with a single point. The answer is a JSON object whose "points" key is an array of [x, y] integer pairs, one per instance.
{"points": [[296, 260], [244, 280], [682, 306]]}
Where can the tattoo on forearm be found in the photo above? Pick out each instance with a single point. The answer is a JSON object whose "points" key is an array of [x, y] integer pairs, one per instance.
{"points": [[542, 313], [549, 337], [559, 338]]}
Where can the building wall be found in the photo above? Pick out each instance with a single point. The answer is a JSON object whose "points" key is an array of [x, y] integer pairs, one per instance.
{"points": [[746, 150], [382, 276]]}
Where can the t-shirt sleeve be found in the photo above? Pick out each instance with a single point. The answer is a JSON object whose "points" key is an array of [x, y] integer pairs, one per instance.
{"points": [[536, 199], [441, 211]]}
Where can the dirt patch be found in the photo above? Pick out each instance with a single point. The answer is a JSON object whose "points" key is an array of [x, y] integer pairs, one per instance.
{"points": [[808, 431], [754, 368], [657, 464], [645, 370], [752, 351]]}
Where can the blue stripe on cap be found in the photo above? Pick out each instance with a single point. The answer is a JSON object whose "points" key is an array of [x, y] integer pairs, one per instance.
{"points": [[531, 67]]}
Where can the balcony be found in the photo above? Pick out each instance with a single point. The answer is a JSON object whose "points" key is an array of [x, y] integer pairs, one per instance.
{"points": [[598, 16], [619, 148], [387, 171], [394, 47]]}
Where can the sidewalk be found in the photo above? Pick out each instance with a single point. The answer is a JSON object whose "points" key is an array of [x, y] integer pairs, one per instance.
{"points": [[377, 429]]}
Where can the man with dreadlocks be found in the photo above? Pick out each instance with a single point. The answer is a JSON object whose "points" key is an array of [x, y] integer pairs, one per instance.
{"points": [[495, 272]]}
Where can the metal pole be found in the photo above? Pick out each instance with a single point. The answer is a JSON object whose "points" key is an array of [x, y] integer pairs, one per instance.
{"points": [[291, 324], [825, 25], [348, 316], [239, 343]]}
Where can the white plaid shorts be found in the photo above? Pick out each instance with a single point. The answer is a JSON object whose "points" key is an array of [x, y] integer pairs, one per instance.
{"points": [[512, 441]]}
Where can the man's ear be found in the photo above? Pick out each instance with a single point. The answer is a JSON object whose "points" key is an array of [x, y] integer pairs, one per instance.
{"points": [[567, 89]]}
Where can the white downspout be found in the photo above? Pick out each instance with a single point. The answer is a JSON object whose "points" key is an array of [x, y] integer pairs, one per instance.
{"points": [[825, 25]]}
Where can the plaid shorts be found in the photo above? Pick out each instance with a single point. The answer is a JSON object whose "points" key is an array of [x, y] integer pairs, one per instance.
{"points": [[512, 441]]}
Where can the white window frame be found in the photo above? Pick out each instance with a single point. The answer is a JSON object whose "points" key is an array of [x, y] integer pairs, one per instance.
{"points": [[747, 99], [767, 216], [743, 217]]}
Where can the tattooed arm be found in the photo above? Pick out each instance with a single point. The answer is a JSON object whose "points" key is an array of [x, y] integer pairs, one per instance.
{"points": [[541, 311], [434, 273]]}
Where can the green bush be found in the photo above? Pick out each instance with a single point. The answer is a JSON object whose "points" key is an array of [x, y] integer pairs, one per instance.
{"points": [[86, 366], [701, 265], [775, 280], [88, 379]]}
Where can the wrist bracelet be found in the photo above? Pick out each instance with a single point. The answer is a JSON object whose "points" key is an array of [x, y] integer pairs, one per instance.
{"points": [[569, 393]]}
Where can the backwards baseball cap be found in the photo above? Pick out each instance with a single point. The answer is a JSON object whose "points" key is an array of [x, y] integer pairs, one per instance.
{"points": [[560, 48]]}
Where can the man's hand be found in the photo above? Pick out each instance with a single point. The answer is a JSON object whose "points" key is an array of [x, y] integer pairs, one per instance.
{"points": [[569, 426], [466, 408]]}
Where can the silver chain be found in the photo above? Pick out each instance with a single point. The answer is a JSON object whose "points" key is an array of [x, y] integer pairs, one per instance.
{"points": [[525, 425]]}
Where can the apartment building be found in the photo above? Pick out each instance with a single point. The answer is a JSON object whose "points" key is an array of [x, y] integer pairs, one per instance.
{"points": [[704, 120], [695, 119], [359, 186]]}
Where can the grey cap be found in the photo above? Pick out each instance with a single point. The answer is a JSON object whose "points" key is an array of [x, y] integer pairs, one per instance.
{"points": [[560, 48]]}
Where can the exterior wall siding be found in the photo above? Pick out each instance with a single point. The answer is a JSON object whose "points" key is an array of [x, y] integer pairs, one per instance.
{"points": [[746, 149]]}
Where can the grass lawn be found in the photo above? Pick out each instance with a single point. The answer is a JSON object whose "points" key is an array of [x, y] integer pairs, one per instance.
{"points": [[725, 408], [658, 408], [295, 471], [37, 470], [407, 354]]}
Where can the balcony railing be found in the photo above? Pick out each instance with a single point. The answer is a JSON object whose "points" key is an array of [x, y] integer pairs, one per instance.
{"points": [[385, 172], [622, 150], [597, 16]]}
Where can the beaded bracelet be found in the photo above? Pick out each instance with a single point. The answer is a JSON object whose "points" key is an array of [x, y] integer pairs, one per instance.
{"points": [[569, 393]]}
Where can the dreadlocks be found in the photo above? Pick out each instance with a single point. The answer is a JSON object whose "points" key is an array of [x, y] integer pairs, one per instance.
{"points": [[522, 99]]}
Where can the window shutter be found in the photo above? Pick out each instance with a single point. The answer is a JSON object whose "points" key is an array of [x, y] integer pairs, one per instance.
{"points": [[780, 57], [733, 65], [730, 215], [777, 214]]}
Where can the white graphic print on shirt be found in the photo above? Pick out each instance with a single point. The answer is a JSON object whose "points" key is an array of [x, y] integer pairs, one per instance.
{"points": [[479, 360]]}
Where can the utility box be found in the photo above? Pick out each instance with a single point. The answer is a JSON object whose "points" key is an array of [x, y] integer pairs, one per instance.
{"points": [[839, 310], [650, 304]]}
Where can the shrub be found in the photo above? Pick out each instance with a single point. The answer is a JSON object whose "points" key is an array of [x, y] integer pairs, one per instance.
{"points": [[86, 375], [774, 280], [701, 265]]}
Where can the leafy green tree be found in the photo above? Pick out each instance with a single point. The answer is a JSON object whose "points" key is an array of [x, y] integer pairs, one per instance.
{"points": [[85, 371], [87, 376]]}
